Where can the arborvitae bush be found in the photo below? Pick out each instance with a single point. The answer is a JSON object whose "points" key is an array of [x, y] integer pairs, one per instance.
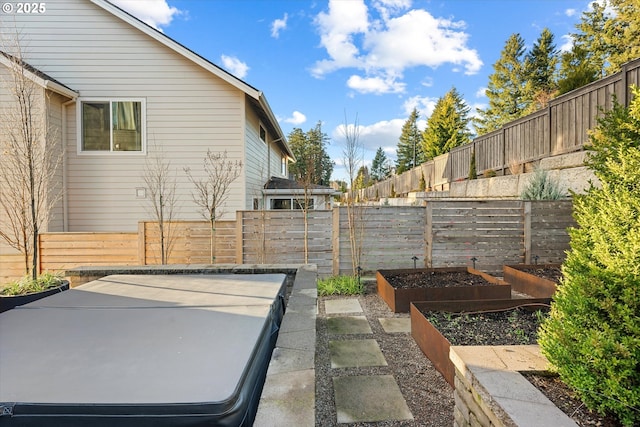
{"points": [[542, 187], [473, 169], [422, 184], [592, 336]]}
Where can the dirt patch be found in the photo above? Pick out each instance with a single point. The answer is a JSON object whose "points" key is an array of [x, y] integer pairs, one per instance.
{"points": [[550, 273], [517, 326], [435, 279], [562, 396]]}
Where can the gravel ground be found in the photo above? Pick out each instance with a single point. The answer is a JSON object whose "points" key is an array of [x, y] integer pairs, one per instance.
{"points": [[427, 394]]}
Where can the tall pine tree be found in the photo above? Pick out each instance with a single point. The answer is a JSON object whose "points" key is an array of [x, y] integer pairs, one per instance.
{"points": [[541, 67], [313, 165], [622, 33], [380, 168], [409, 151], [447, 127], [507, 88]]}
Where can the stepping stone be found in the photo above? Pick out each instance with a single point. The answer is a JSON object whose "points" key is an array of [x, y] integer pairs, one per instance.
{"points": [[337, 306], [369, 399], [355, 354], [348, 325], [395, 324]]}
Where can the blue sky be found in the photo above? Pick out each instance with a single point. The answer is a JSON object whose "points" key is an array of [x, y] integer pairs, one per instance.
{"points": [[375, 60]]}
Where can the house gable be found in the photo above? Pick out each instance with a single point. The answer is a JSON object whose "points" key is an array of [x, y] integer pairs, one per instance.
{"points": [[191, 106]]}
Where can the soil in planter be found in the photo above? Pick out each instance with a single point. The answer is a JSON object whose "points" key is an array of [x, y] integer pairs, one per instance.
{"points": [[550, 273], [435, 280], [511, 327], [562, 396]]}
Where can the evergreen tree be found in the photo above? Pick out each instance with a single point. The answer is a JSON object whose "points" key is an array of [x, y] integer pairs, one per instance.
{"points": [[447, 127], [507, 88], [363, 180], [541, 67], [380, 168], [592, 336], [575, 70], [622, 33], [409, 151], [313, 165], [591, 38]]}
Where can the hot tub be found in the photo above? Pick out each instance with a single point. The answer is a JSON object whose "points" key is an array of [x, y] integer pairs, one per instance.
{"points": [[156, 350]]}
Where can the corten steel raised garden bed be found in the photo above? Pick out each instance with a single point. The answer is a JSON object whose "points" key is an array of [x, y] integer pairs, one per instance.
{"points": [[7, 302], [399, 298], [533, 280], [435, 345]]}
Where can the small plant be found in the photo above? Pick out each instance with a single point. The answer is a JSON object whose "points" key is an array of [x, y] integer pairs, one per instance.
{"points": [[393, 191], [542, 187], [473, 170], [490, 173], [422, 184], [340, 285], [27, 285]]}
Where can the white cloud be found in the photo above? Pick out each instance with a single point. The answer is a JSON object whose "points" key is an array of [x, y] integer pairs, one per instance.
{"points": [[235, 66], [481, 93], [384, 47], [424, 104], [376, 85], [570, 12], [279, 25], [381, 134], [567, 43], [155, 13], [297, 118]]}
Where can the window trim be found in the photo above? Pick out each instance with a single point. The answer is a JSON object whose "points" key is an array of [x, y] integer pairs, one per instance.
{"points": [[261, 130], [111, 152]]}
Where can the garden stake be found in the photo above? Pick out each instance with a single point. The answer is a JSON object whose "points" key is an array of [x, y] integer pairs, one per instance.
{"points": [[415, 258], [535, 259], [474, 259]]}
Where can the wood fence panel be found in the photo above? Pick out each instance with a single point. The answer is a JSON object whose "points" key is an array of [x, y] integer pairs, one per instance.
{"points": [[548, 234], [490, 231], [278, 236], [11, 266], [63, 251], [388, 237], [191, 242], [490, 152]]}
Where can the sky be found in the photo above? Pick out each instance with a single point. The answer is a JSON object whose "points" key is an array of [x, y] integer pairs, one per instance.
{"points": [[364, 62]]}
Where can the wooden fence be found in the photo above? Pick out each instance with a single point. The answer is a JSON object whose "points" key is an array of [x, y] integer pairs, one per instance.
{"points": [[444, 233], [560, 128], [277, 237]]}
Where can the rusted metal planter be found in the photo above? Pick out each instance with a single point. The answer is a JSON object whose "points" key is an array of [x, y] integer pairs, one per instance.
{"points": [[398, 299], [434, 345], [527, 283]]}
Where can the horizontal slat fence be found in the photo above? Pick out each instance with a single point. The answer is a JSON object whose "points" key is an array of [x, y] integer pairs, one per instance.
{"points": [[190, 242], [277, 237], [444, 233], [548, 222], [62, 251], [391, 236], [490, 231]]}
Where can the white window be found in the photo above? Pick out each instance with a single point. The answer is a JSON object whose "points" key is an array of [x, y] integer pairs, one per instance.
{"points": [[108, 125], [291, 203], [283, 165], [263, 134]]}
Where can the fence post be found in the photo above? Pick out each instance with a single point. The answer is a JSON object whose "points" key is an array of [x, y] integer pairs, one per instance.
{"points": [[142, 243], [239, 240], [335, 237], [526, 224], [428, 235]]}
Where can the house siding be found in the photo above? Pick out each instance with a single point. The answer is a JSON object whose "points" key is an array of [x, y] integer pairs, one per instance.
{"points": [[188, 110]]}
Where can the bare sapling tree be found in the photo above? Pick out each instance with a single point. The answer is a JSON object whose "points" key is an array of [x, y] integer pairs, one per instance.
{"points": [[30, 158], [212, 190], [161, 184], [353, 158]]}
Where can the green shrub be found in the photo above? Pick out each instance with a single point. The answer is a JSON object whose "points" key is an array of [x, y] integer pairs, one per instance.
{"points": [[473, 169], [340, 285], [542, 187], [27, 285], [592, 336], [422, 185]]}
